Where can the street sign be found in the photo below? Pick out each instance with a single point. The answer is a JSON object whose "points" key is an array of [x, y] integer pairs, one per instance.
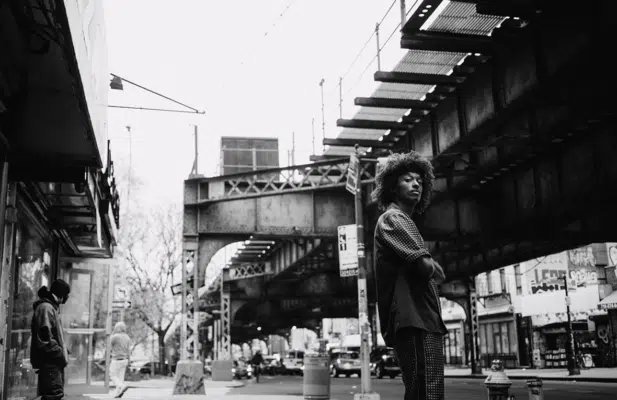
{"points": [[348, 250], [352, 173], [122, 293], [121, 304]]}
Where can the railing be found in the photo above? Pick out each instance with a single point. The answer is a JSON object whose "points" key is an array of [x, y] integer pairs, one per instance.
{"points": [[307, 177]]}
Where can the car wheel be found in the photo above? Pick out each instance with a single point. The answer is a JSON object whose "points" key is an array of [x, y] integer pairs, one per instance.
{"points": [[392, 376]]}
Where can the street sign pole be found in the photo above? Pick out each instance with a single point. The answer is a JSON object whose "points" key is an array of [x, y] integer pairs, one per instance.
{"points": [[183, 316], [573, 369], [363, 320]]}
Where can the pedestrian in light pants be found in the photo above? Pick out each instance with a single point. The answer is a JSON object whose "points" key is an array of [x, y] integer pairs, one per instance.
{"points": [[120, 353]]}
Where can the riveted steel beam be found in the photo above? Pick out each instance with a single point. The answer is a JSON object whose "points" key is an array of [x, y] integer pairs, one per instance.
{"points": [[372, 124], [418, 79], [386, 102]]}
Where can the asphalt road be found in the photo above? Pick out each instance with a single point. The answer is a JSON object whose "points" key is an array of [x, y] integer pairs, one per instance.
{"points": [[456, 388]]}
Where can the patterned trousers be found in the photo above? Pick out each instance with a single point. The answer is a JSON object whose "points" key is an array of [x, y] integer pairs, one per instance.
{"points": [[51, 383], [420, 355]]}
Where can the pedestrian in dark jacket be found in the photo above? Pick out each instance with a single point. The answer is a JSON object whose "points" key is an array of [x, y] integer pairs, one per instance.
{"points": [[48, 352], [408, 277]]}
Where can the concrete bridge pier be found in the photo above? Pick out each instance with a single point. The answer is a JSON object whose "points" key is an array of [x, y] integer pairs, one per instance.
{"points": [[464, 293]]}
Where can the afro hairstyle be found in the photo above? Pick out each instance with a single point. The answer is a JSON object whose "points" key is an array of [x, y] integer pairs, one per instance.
{"points": [[395, 166]]}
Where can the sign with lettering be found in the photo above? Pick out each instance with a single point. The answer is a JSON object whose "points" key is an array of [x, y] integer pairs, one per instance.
{"points": [[352, 174], [582, 266], [348, 250], [545, 274]]}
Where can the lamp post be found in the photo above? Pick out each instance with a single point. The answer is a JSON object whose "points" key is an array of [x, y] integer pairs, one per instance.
{"points": [[573, 368]]}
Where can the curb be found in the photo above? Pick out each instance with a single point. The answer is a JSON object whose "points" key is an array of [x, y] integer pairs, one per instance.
{"points": [[525, 377]]}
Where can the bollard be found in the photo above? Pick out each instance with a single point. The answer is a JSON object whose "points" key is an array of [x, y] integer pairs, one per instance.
{"points": [[497, 383], [535, 389], [316, 377]]}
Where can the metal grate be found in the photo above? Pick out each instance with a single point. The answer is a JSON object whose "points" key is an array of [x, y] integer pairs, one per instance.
{"points": [[461, 18]]}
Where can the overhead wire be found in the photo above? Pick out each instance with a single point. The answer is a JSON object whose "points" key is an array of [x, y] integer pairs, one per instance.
{"points": [[357, 57]]}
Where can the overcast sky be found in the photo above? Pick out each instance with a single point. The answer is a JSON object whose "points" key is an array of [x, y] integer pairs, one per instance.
{"points": [[253, 66], [255, 72]]}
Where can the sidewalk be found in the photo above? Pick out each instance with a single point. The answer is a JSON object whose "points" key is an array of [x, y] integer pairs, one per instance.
{"points": [[159, 389], [587, 375]]}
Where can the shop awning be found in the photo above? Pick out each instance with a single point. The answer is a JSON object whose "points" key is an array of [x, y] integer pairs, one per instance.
{"points": [[609, 302]]}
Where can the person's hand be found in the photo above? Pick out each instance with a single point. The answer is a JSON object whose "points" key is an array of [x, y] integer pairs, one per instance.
{"points": [[439, 276]]}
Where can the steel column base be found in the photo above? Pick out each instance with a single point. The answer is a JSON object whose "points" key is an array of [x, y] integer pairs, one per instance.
{"points": [[189, 378]]}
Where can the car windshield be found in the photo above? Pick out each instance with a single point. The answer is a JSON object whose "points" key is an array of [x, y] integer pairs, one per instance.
{"points": [[351, 355]]}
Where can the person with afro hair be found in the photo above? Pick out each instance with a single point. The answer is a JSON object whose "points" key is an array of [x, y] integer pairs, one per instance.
{"points": [[407, 277]]}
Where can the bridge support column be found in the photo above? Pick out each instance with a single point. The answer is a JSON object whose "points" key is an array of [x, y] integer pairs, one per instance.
{"points": [[221, 368], [464, 293], [189, 378]]}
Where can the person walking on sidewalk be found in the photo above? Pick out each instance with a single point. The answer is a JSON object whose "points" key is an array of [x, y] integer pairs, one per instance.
{"points": [[120, 356], [48, 352], [407, 277]]}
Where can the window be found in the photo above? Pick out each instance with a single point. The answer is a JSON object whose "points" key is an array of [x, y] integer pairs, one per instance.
{"points": [[518, 279], [489, 282], [503, 280]]}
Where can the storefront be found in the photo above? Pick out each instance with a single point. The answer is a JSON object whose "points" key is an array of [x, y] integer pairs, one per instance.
{"points": [[454, 343], [550, 341], [606, 331], [38, 257], [498, 340]]}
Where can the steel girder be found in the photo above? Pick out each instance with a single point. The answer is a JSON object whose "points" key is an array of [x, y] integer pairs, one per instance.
{"points": [[511, 148]]}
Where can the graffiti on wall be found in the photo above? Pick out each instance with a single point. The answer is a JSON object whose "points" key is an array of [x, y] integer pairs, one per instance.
{"points": [[582, 266], [545, 274]]}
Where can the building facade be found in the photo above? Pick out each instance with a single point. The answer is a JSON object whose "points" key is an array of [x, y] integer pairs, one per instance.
{"points": [[59, 209], [522, 312]]}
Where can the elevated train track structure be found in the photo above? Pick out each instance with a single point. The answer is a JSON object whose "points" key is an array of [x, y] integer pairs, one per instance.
{"points": [[513, 102]]}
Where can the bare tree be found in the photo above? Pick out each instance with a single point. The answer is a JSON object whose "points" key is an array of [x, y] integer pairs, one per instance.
{"points": [[151, 246]]}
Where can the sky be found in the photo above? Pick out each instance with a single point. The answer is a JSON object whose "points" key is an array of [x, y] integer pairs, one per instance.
{"points": [[254, 71], [253, 66]]}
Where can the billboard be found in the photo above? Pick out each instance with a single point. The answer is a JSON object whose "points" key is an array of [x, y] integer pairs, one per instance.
{"points": [[244, 154]]}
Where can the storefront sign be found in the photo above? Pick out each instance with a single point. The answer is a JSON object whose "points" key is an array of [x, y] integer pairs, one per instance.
{"points": [[582, 266]]}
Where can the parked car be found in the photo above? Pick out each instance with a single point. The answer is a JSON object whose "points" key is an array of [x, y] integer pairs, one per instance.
{"points": [[293, 363], [272, 366], [241, 370], [136, 366], [383, 362], [345, 363]]}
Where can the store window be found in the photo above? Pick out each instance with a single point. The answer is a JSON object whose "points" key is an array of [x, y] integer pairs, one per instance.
{"points": [[452, 347], [518, 279], [32, 266]]}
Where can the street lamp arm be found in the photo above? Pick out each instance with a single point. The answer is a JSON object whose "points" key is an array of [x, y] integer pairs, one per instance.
{"points": [[158, 94], [157, 109]]}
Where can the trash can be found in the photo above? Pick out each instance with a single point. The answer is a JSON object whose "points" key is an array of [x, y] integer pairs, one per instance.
{"points": [[316, 377], [534, 386]]}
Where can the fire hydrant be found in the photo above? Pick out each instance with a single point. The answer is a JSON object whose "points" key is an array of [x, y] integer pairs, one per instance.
{"points": [[535, 389], [497, 382]]}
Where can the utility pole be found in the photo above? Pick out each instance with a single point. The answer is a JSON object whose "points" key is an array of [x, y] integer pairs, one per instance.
{"points": [[323, 113], [378, 47], [340, 97], [573, 368], [313, 130], [363, 319], [196, 163], [293, 148], [128, 189], [403, 14]]}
